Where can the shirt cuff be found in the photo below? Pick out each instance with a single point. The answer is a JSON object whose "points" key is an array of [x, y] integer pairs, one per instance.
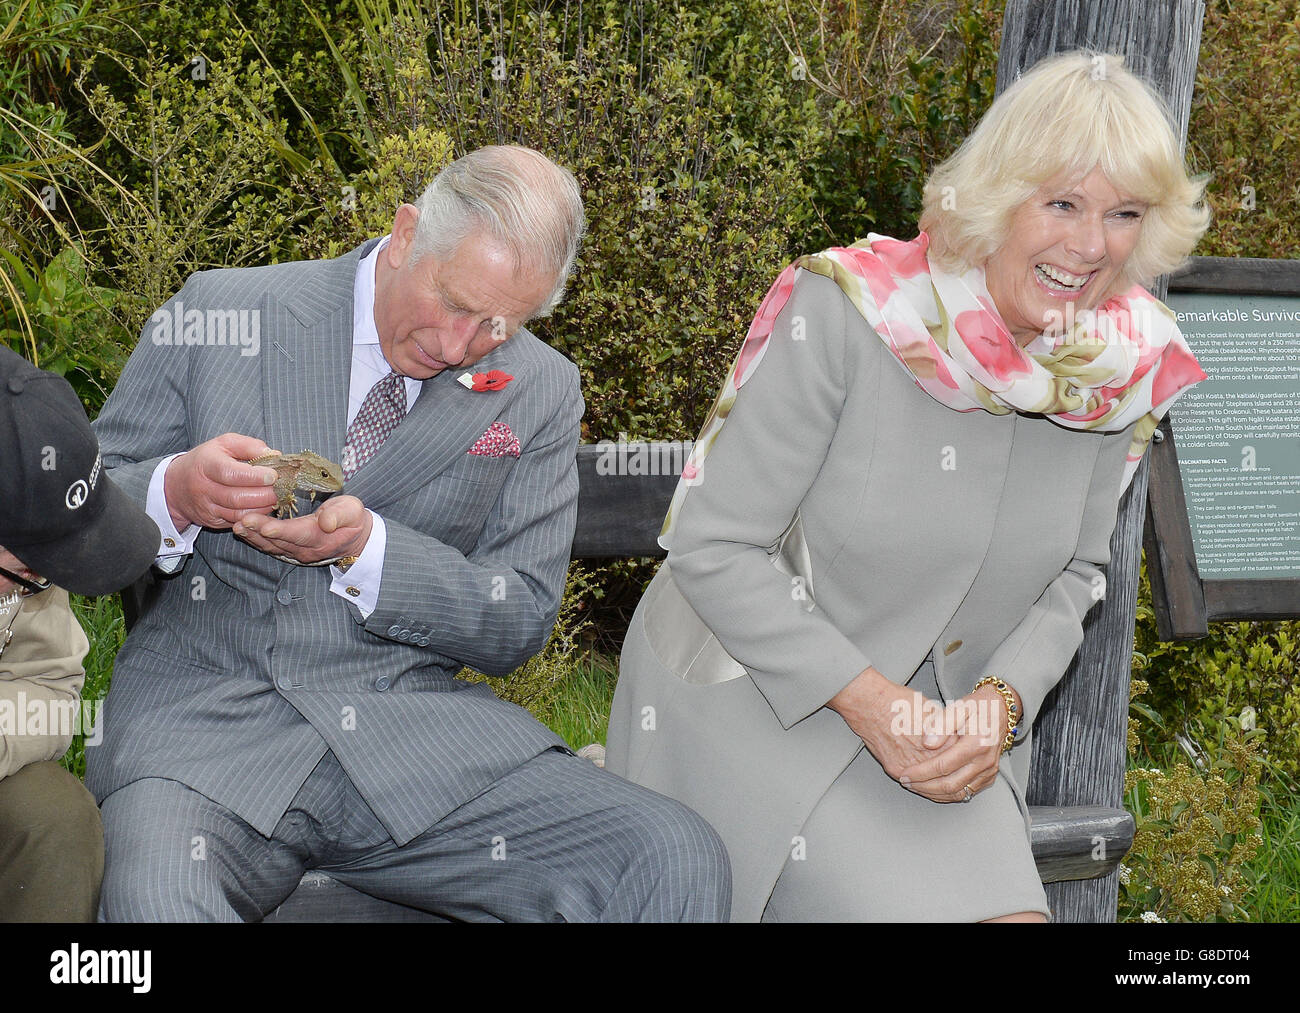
{"points": [[360, 584], [175, 545]]}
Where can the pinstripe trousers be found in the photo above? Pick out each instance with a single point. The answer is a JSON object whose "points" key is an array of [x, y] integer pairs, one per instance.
{"points": [[555, 839]]}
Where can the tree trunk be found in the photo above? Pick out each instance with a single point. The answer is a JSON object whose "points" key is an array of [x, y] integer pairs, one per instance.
{"points": [[1080, 740]]}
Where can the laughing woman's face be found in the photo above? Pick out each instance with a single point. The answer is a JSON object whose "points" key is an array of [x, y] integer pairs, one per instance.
{"points": [[1067, 244]]}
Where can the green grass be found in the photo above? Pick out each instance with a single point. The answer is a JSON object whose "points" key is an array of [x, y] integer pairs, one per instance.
{"points": [[1276, 866], [580, 713], [101, 618]]}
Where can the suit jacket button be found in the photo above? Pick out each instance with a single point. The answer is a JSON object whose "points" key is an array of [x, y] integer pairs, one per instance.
{"points": [[951, 647], [394, 630], [381, 683], [404, 635], [284, 596], [423, 642], [282, 682]]}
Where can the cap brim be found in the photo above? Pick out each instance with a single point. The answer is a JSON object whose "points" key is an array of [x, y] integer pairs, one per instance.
{"points": [[106, 554]]}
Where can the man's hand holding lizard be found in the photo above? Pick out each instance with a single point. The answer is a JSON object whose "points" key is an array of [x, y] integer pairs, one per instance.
{"points": [[341, 527], [214, 485]]}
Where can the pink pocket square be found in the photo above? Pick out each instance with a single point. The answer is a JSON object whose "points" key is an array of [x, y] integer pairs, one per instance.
{"points": [[498, 441]]}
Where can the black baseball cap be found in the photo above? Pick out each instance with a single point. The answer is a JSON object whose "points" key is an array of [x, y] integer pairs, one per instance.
{"points": [[59, 513]]}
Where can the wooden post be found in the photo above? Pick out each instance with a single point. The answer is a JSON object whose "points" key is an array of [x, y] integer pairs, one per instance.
{"points": [[1080, 740]]}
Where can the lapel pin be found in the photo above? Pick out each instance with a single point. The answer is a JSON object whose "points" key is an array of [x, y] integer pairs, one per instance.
{"points": [[493, 379]]}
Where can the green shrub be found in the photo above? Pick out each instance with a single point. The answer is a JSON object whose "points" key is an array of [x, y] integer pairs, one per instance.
{"points": [[207, 155], [1197, 830], [899, 86], [1213, 753], [1245, 126], [690, 216], [1242, 676], [39, 40], [1276, 865], [72, 322]]}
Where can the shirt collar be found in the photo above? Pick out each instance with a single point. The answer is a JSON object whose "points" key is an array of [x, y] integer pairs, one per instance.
{"points": [[366, 352], [364, 331]]}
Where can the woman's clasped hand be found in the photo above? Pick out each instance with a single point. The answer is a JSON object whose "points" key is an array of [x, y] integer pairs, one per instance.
{"points": [[946, 753]]}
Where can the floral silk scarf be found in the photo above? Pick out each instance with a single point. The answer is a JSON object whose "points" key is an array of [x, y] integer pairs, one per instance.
{"points": [[1122, 363]]}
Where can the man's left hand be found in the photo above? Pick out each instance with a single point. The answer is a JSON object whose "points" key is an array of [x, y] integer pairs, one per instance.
{"points": [[341, 527]]}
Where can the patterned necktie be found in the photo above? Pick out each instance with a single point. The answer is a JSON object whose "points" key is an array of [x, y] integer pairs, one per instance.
{"points": [[381, 412]]}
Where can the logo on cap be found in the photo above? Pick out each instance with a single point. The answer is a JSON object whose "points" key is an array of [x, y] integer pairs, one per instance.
{"points": [[78, 490]]}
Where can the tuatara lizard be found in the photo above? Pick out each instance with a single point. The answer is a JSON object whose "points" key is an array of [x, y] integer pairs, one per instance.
{"points": [[306, 472]]}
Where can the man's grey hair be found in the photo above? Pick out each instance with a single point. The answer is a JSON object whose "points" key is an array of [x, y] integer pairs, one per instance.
{"points": [[513, 195]]}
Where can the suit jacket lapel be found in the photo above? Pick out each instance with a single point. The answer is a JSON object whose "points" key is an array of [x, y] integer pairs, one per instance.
{"points": [[441, 427], [307, 358]]}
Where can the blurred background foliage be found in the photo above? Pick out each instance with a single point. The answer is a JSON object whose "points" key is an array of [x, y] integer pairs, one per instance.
{"points": [[714, 141]]}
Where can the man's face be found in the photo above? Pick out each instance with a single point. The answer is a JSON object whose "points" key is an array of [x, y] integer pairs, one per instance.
{"points": [[13, 564], [433, 315]]}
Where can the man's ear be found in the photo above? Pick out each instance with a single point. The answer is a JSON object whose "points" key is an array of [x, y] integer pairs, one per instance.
{"points": [[398, 250]]}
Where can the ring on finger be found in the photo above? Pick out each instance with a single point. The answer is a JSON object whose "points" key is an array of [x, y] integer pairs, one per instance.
{"points": [[967, 794]]}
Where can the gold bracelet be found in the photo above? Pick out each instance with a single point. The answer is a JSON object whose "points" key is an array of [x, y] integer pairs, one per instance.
{"points": [[1013, 712]]}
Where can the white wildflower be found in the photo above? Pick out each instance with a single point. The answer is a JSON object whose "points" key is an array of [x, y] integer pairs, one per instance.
{"points": [[1123, 873], [1151, 916]]}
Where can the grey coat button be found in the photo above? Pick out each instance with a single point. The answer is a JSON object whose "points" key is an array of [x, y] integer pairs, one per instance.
{"points": [[284, 596], [282, 682], [381, 683], [394, 630], [404, 635], [423, 642]]}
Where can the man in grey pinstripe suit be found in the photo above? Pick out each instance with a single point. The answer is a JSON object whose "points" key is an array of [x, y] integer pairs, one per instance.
{"points": [[269, 716]]}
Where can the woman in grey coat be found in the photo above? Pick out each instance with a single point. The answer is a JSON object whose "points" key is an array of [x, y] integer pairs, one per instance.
{"points": [[896, 517]]}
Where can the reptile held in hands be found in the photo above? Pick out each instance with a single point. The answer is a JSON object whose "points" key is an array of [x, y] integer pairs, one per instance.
{"points": [[305, 472]]}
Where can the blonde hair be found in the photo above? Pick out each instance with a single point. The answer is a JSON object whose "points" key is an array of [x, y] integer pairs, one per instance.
{"points": [[1067, 115]]}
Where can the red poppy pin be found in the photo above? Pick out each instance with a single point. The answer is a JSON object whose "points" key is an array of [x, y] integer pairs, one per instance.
{"points": [[493, 379]]}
